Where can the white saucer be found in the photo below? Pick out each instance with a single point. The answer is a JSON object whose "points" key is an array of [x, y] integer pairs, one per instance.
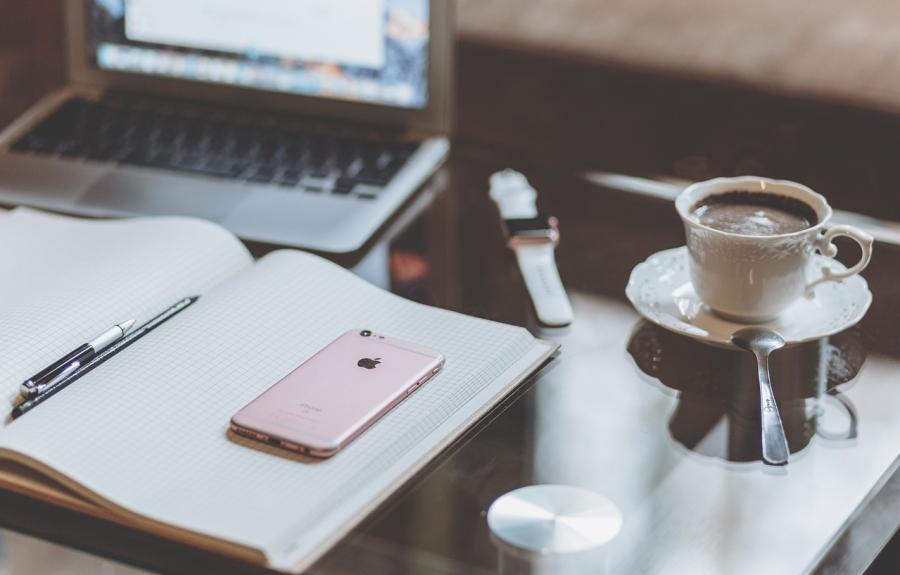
{"points": [[660, 290]]}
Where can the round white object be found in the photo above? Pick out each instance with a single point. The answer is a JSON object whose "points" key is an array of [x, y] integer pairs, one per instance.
{"points": [[554, 519]]}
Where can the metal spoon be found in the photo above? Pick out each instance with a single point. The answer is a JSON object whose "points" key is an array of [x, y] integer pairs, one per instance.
{"points": [[762, 342]]}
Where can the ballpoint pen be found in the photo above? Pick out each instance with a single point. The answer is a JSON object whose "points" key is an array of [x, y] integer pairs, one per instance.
{"points": [[73, 360], [61, 382]]}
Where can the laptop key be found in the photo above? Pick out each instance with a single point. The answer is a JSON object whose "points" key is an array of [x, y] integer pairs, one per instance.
{"points": [[377, 180], [70, 149], [354, 168], [230, 168], [290, 177], [263, 174], [32, 143], [315, 184], [118, 152], [342, 187], [321, 172], [190, 161], [163, 159], [383, 160], [345, 182], [390, 169], [100, 151], [214, 168]]}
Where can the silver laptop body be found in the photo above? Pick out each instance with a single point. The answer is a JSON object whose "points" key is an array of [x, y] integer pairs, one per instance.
{"points": [[352, 98]]}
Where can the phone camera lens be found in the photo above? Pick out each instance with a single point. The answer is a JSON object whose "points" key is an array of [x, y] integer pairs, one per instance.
{"points": [[365, 333]]}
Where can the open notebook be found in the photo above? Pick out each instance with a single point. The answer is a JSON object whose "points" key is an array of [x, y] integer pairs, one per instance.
{"points": [[143, 438]]}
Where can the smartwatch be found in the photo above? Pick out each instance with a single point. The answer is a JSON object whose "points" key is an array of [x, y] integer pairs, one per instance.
{"points": [[532, 237]]}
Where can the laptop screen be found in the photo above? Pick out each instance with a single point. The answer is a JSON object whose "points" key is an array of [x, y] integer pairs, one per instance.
{"points": [[373, 51]]}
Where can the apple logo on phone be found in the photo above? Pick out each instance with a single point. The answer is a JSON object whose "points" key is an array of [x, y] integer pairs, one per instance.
{"points": [[368, 363]]}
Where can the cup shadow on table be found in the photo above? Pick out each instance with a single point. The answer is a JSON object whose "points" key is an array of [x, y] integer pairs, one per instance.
{"points": [[717, 414]]}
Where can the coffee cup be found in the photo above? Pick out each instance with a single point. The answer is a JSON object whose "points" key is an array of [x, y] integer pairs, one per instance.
{"points": [[751, 243]]}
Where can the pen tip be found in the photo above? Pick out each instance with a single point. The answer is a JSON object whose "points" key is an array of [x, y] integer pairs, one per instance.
{"points": [[126, 325]]}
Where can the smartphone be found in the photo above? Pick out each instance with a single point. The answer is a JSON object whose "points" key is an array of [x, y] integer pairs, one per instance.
{"points": [[327, 401]]}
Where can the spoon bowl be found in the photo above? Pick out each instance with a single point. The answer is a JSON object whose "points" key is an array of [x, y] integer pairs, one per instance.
{"points": [[755, 339]]}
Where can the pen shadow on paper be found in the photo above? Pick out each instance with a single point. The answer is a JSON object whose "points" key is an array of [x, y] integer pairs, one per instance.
{"points": [[271, 449], [717, 414]]}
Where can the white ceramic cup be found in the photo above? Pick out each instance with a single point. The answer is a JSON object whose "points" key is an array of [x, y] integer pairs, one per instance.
{"points": [[750, 278]]}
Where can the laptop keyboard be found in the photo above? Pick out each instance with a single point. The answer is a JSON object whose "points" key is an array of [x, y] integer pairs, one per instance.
{"points": [[266, 150]]}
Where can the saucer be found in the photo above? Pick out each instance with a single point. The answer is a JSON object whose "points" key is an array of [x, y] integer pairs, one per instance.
{"points": [[660, 290]]}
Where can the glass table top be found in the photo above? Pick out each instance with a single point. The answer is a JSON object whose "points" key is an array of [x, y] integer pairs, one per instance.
{"points": [[663, 426]]}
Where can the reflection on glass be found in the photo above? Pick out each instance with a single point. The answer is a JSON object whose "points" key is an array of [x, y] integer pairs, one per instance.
{"points": [[718, 409], [511, 561], [24, 555]]}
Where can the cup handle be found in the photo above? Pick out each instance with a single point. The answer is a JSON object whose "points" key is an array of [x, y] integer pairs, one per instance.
{"points": [[827, 248], [850, 432]]}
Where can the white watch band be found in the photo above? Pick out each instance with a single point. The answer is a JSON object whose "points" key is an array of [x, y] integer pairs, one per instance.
{"points": [[515, 198], [538, 267]]}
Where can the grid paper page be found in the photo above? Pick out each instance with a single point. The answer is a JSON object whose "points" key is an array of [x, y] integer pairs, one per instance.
{"points": [[63, 281], [163, 451]]}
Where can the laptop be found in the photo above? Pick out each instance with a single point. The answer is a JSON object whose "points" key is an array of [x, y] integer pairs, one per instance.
{"points": [[304, 123]]}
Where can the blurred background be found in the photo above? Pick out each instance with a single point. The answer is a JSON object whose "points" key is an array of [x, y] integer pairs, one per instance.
{"points": [[691, 89]]}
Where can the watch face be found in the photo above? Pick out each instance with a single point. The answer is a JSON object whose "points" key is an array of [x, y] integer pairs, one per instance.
{"points": [[539, 227]]}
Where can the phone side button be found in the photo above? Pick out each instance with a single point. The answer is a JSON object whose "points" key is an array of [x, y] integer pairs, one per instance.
{"points": [[412, 389], [292, 446]]}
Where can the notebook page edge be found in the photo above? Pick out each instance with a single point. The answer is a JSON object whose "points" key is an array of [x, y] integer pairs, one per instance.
{"points": [[83, 500], [50, 217]]}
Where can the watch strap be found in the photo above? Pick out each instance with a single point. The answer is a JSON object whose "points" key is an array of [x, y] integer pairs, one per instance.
{"points": [[514, 196], [538, 266]]}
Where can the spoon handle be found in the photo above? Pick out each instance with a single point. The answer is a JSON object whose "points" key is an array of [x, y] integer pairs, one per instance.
{"points": [[774, 443]]}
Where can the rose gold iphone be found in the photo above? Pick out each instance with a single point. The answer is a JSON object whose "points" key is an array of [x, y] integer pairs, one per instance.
{"points": [[336, 394]]}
